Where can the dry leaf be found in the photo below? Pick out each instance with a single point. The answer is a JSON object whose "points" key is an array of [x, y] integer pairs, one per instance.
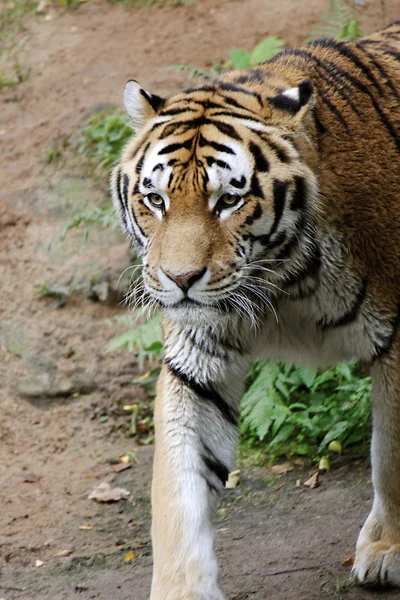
{"points": [[86, 527], [278, 487], [299, 462], [92, 476], [281, 469], [233, 480], [39, 563], [122, 466], [312, 482], [105, 493], [298, 483], [349, 562], [65, 552], [129, 556]]}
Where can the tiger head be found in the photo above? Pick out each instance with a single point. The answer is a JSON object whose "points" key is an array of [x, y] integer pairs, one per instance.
{"points": [[215, 190]]}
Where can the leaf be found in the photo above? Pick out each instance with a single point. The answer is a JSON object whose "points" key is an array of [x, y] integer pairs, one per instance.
{"points": [[240, 59], [129, 556], [308, 375], [266, 49], [233, 480], [281, 469], [105, 493], [312, 482]]}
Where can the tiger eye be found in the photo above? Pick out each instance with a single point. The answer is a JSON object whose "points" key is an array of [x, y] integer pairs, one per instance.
{"points": [[228, 200], [156, 200]]}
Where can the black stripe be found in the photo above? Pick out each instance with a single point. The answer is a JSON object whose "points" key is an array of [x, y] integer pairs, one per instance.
{"points": [[236, 88], [147, 183], [140, 162], [280, 152], [220, 147], [215, 465], [280, 188], [226, 129], [298, 201], [351, 315], [238, 183], [205, 392], [122, 212], [255, 188], [386, 344], [211, 161], [380, 68], [125, 189], [259, 159], [256, 214], [334, 109], [307, 275], [345, 50], [187, 144]]}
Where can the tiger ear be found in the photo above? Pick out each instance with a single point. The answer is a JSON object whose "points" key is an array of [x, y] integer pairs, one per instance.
{"points": [[140, 105], [295, 100]]}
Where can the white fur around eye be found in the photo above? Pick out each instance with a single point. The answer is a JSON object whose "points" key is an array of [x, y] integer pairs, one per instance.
{"points": [[292, 93]]}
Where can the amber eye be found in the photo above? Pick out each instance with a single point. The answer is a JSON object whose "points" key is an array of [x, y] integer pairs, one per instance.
{"points": [[228, 200], [156, 200]]}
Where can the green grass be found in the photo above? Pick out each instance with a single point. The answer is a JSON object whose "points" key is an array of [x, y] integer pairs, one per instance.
{"points": [[103, 137]]}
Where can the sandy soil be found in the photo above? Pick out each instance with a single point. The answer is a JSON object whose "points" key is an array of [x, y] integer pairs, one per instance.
{"points": [[61, 390]]}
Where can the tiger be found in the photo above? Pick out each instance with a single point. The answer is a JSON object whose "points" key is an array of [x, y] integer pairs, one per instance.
{"points": [[265, 207]]}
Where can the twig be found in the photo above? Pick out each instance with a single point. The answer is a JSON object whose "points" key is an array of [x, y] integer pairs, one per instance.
{"points": [[13, 588], [313, 568]]}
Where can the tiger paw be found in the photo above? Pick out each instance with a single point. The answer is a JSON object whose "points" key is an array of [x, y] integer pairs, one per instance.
{"points": [[378, 564]]}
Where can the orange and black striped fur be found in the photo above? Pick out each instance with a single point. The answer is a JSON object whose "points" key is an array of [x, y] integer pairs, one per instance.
{"points": [[266, 207]]}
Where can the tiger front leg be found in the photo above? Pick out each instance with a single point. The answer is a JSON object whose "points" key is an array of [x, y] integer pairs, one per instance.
{"points": [[378, 548], [196, 435]]}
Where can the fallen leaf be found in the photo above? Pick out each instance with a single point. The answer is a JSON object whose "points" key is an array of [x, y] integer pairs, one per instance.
{"points": [[281, 469], [299, 462], [65, 552], [39, 563], [278, 487], [349, 562], [129, 556], [130, 407], [105, 493], [121, 467], [92, 476], [233, 480], [312, 482], [86, 527], [298, 483]]}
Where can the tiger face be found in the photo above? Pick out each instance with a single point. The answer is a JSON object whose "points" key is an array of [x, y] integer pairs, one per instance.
{"points": [[214, 190]]}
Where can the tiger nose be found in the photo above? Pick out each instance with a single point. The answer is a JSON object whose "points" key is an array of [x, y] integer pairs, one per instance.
{"points": [[186, 280]]}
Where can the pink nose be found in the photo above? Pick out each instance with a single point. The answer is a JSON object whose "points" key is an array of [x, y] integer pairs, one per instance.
{"points": [[186, 280]]}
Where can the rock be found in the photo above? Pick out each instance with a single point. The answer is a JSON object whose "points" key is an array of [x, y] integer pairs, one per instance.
{"points": [[44, 386]]}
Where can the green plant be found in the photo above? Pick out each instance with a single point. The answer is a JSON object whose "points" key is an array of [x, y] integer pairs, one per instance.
{"points": [[339, 23], [104, 216], [146, 340], [102, 138], [300, 411], [197, 72], [266, 49]]}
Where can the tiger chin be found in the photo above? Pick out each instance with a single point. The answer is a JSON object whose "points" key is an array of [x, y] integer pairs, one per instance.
{"points": [[265, 205]]}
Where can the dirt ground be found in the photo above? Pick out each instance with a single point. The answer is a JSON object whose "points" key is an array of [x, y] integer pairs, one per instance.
{"points": [[61, 391]]}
